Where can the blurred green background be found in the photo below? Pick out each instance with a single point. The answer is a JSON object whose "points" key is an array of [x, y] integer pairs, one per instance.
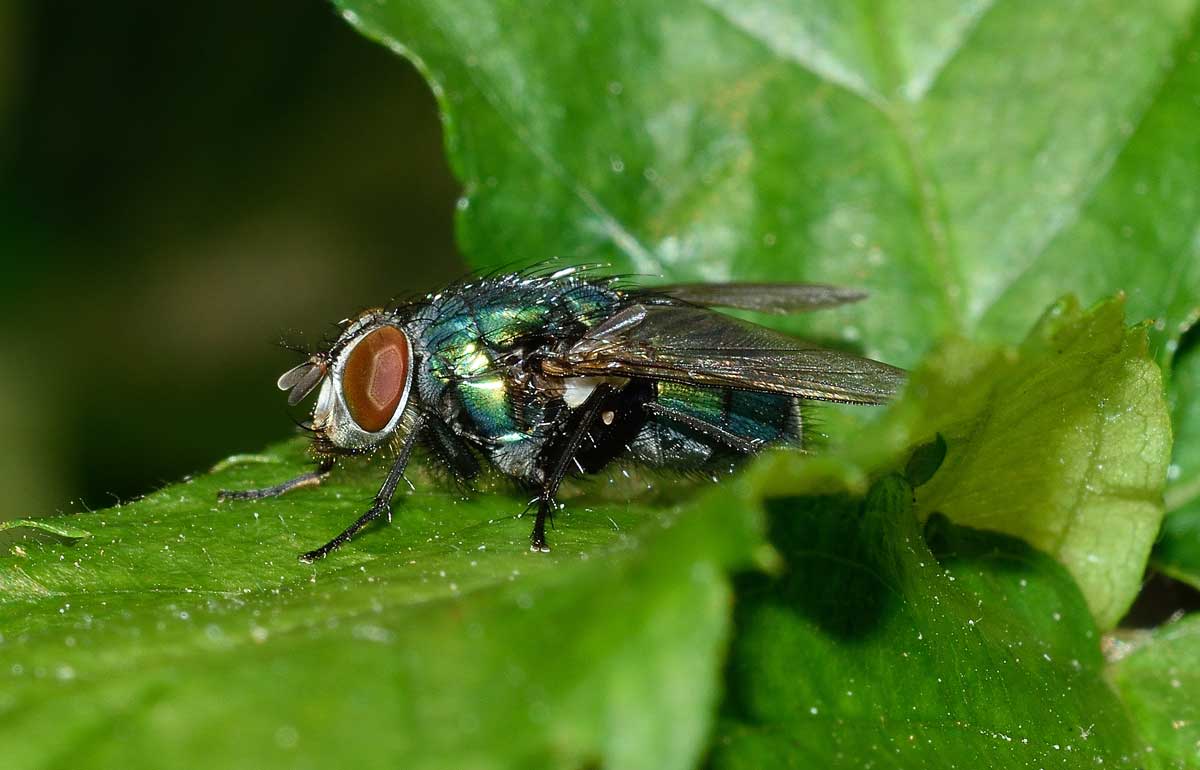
{"points": [[181, 187]]}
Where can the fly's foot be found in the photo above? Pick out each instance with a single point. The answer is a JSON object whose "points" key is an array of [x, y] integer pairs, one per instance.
{"points": [[538, 544], [380, 508], [537, 538]]}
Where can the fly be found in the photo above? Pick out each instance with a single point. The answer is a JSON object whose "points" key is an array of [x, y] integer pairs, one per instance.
{"points": [[541, 373]]}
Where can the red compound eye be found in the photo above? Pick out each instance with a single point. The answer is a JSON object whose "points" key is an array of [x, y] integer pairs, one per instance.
{"points": [[374, 378]]}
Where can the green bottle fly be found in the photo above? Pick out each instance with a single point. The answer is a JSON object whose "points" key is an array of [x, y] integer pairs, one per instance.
{"points": [[543, 373]]}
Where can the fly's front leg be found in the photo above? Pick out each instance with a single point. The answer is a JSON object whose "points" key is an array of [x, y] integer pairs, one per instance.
{"points": [[560, 453], [382, 504], [310, 479]]}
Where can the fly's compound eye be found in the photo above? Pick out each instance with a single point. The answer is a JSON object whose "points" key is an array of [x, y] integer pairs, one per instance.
{"points": [[375, 377]]}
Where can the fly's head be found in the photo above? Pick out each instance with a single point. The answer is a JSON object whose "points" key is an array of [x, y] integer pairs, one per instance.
{"points": [[365, 379]]}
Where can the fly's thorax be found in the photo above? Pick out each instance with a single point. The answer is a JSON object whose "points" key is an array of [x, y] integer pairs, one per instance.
{"points": [[370, 374]]}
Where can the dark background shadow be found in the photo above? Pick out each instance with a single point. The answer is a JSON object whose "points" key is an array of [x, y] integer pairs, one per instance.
{"points": [[181, 185]]}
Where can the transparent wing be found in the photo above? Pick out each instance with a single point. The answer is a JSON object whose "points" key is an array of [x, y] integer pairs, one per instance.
{"points": [[691, 344], [779, 298]]}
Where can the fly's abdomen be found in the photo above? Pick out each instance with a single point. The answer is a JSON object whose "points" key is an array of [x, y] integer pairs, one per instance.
{"points": [[764, 417], [759, 417], [767, 417]]}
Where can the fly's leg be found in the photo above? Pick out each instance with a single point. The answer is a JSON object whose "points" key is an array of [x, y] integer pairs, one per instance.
{"points": [[382, 504], [310, 479], [561, 453]]}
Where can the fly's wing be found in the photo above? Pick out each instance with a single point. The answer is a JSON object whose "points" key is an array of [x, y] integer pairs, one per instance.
{"points": [[702, 347], [778, 298]]}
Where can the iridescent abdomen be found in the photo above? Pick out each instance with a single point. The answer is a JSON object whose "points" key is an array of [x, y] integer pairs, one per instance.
{"points": [[761, 417]]}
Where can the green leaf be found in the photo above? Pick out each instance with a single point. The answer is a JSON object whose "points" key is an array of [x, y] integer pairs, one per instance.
{"points": [[1063, 441], [969, 163], [440, 639], [1178, 552], [1158, 676], [881, 647]]}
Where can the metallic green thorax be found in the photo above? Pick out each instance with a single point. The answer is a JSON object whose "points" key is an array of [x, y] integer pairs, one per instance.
{"points": [[476, 334]]}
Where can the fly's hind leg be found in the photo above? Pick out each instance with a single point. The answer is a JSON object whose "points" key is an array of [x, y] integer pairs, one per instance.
{"points": [[310, 479], [560, 454]]}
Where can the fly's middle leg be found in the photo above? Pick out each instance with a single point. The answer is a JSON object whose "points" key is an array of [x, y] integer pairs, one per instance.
{"points": [[561, 453]]}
